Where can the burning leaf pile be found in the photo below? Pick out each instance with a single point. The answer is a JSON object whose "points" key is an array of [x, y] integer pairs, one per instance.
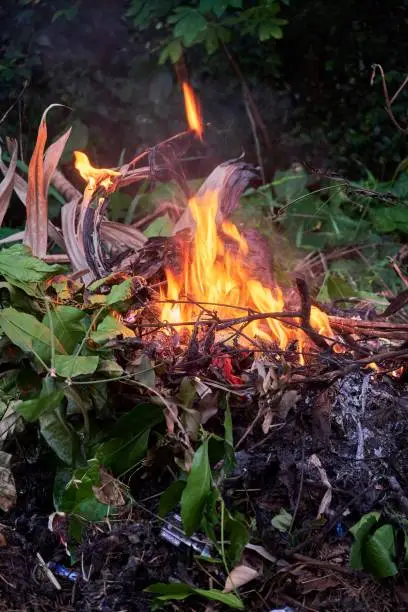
{"points": [[194, 328]]}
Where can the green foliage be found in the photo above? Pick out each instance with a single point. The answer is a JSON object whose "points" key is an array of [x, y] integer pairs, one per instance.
{"points": [[179, 591], [374, 547], [282, 521], [334, 217], [197, 489], [210, 23]]}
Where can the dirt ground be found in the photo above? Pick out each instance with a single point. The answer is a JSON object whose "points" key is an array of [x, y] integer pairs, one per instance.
{"points": [[308, 568]]}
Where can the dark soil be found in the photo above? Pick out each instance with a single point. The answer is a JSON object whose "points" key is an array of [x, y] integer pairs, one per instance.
{"points": [[117, 561]]}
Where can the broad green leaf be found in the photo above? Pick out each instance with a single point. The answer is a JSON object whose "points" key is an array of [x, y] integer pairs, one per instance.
{"points": [[23, 270], [197, 488], [282, 521], [58, 435], [23, 330], [108, 329], [110, 367], [74, 494], [31, 410], [289, 185], [378, 553], [238, 536], [69, 366], [180, 591], [127, 440], [187, 393], [360, 531], [172, 51], [171, 497], [189, 27], [67, 326], [144, 372], [162, 226], [120, 293]]}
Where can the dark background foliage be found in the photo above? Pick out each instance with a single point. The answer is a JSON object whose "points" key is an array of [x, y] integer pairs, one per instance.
{"points": [[311, 85]]}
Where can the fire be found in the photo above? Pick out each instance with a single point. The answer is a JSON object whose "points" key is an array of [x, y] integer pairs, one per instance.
{"points": [[93, 176], [193, 111], [217, 278]]}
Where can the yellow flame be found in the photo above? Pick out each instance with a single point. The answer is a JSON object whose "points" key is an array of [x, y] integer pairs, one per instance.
{"points": [[193, 111], [91, 175], [214, 274]]}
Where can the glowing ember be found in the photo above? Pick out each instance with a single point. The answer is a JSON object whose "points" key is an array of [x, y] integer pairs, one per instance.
{"points": [[92, 175], [213, 274], [193, 111]]}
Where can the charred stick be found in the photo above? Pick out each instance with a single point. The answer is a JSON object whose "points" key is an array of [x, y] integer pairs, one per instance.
{"points": [[306, 306]]}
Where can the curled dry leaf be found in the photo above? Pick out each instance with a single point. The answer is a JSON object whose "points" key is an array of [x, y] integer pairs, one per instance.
{"points": [[109, 492], [229, 179], [8, 494], [73, 245], [240, 575], [7, 184], [327, 497], [40, 171]]}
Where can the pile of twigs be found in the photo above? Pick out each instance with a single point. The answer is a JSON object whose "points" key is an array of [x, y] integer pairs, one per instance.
{"points": [[97, 248]]}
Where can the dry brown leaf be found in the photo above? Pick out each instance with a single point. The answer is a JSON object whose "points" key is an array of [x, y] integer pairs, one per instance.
{"points": [[127, 235], [327, 497], [170, 416], [52, 157], [8, 493], [40, 171], [109, 492], [7, 184], [261, 551], [319, 583], [229, 180], [289, 400], [240, 575], [73, 245]]}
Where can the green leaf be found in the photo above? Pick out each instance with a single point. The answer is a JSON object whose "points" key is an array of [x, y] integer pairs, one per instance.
{"points": [[171, 497], [69, 366], [120, 293], [269, 30], [74, 494], [335, 287], [197, 488], [238, 537], [282, 521], [288, 185], [58, 435], [172, 51], [229, 455], [360, 531], [126, 442], [108, 329], [189, 27], [180, 591], [31, 410], [378, 552], [23, 270], [65, 321], [23, 330], [162, 226]]}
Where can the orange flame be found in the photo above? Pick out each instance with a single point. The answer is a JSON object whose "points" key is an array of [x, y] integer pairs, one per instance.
{"points": [[92, 175], [193, 111], [212, 274]]}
